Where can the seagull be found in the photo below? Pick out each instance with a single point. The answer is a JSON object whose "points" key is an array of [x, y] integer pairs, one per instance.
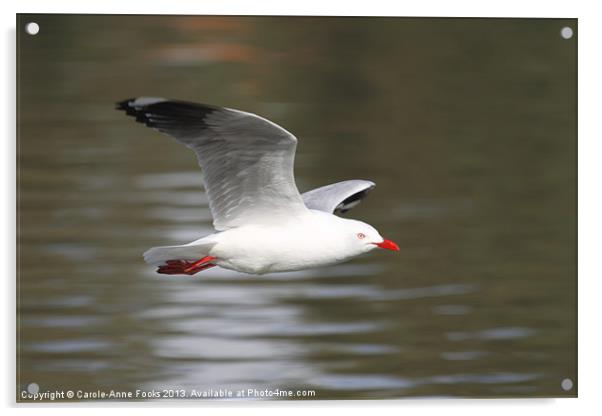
{"points": [[263, 224]]}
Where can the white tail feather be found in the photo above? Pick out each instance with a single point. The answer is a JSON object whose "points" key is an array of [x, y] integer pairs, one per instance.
{"points": [[159, 255]]}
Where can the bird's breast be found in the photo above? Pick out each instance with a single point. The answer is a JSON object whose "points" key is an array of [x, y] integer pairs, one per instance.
{"points": [[259, 250]]}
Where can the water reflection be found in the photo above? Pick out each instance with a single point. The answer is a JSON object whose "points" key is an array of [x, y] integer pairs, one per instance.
{"points": [[474, 168], [492, 334]]}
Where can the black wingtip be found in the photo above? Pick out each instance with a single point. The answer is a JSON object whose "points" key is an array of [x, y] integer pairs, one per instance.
{"points": [[125, 105], [132, 111], [168, 116], [352, 200]]}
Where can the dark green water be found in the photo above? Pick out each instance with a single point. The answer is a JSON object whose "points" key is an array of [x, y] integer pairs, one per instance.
{"points": [[468, 127]]}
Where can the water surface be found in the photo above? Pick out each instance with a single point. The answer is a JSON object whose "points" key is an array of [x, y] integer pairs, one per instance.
{"points": [[467, 126]]}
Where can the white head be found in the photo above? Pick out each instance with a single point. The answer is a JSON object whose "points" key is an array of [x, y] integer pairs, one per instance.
{"points": [[362, 238]]}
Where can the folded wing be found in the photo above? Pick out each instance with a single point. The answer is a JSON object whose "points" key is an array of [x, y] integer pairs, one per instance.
{"points": [[247, 161], [339, 197]]}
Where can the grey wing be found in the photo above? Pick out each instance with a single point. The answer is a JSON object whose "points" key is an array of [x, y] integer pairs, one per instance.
{"points": [[339, 197], [247, 161]]}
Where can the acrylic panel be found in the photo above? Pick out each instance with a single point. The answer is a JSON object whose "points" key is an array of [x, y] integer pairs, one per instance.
{"points": [[466, 126]]}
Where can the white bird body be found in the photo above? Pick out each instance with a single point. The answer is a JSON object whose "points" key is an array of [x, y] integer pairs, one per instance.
{"points": [[316, 239], [263, 224]]}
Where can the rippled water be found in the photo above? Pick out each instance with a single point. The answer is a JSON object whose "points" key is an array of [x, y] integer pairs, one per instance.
{"points": [[467, 126]]}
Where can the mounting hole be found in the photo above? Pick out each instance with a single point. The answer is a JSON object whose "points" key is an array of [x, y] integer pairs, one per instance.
{"points": [[32, 28], [33, 388], [566, 384], [566, 33]]}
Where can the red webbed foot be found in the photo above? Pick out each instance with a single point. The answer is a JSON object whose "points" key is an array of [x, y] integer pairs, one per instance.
{"points": [[186, 267]]}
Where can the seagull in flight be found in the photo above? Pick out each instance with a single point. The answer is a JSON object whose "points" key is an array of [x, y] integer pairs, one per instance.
{"points": [[263, 224]]}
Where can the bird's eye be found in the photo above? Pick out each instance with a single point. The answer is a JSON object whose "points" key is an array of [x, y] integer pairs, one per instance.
{"points": [[361, 236]]}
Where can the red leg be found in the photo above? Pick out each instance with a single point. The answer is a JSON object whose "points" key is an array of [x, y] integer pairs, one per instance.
{"points": [[198, 263], [186, 267]]}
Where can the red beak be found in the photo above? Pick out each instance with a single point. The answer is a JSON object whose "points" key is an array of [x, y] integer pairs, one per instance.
{"points": [[388, 244]]}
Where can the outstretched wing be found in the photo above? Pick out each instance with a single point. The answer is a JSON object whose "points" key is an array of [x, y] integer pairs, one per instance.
{"points": [[247, 161], [339, 197]]}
